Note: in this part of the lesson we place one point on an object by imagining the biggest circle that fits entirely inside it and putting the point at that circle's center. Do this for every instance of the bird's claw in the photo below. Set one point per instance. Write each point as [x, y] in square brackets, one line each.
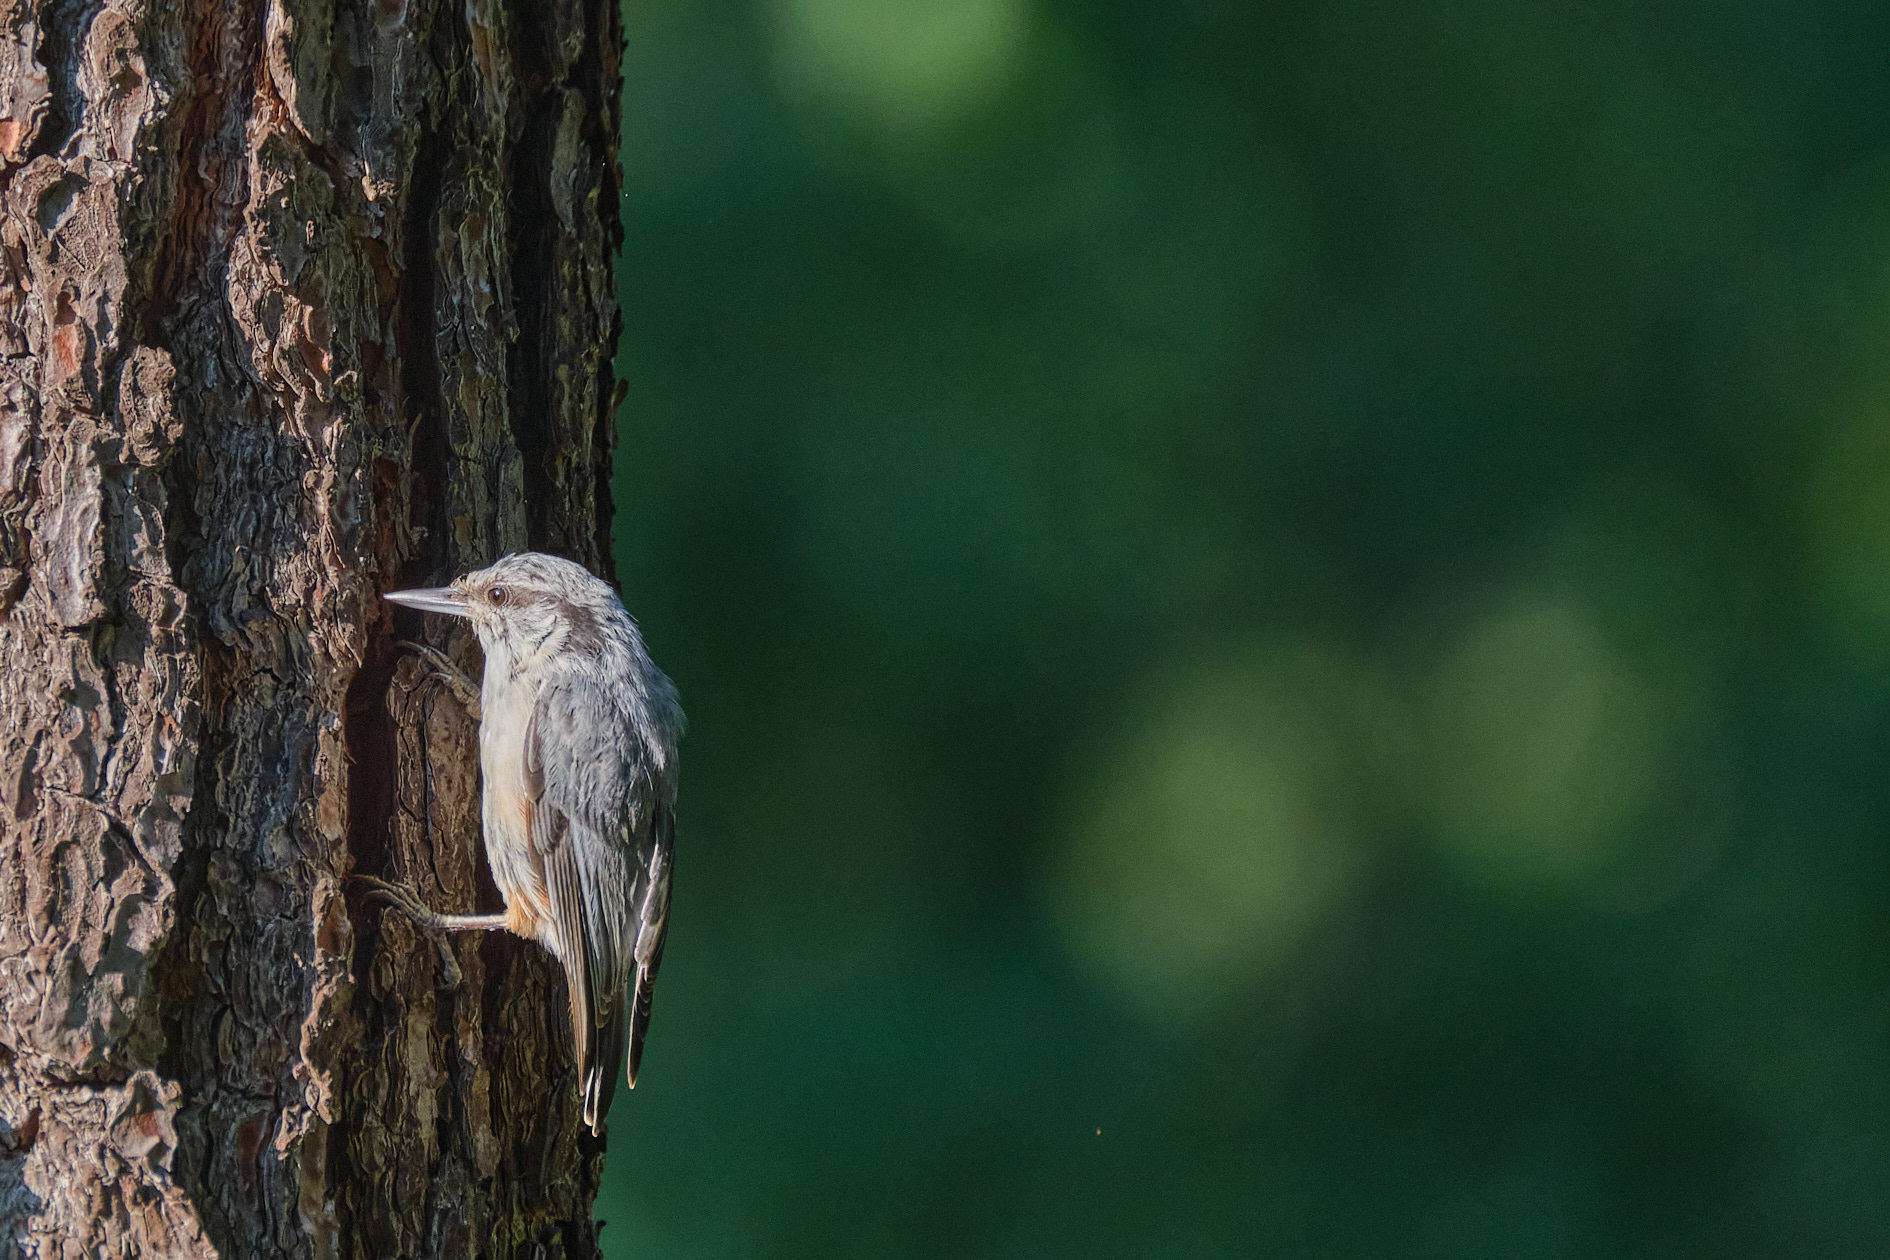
[443, 667]
[404, 899]
[399, 896]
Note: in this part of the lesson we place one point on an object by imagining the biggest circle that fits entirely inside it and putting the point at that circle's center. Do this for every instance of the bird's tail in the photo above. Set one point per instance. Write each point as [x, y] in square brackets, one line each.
[599, 1068]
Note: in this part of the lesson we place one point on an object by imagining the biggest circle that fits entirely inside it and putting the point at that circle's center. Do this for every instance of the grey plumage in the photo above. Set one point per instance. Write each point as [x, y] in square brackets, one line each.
[577, 743]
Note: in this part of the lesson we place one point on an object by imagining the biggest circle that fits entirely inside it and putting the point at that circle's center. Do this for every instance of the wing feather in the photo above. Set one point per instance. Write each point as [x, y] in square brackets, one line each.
[606, 875]
[652, 930]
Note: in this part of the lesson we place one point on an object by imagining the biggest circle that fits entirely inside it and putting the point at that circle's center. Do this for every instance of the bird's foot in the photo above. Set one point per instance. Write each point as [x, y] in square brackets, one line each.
[404, 899]
[457, 681]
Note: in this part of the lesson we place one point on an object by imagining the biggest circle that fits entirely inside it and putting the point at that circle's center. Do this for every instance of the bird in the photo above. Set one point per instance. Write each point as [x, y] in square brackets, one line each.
[577, 752]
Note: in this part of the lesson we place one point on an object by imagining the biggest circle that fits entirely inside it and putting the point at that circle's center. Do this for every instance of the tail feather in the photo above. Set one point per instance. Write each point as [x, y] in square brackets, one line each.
[599, 1072]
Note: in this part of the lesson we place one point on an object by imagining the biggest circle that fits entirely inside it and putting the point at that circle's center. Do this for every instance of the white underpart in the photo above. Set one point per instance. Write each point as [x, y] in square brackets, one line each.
[507, 702]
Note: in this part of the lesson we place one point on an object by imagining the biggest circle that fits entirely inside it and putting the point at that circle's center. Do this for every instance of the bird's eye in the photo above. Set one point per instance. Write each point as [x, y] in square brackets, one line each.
[496, 594]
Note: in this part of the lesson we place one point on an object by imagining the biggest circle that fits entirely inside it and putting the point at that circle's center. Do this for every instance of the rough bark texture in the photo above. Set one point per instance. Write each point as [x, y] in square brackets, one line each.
[300, 300]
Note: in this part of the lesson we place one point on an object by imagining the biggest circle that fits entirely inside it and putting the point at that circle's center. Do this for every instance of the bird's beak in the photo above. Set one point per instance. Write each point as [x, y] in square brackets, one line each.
[436, 599]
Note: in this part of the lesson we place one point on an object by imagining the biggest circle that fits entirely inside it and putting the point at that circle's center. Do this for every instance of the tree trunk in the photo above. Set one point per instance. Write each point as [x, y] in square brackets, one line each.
[300, 300]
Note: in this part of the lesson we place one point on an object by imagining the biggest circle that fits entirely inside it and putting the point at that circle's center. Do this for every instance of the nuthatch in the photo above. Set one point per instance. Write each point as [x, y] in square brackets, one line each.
[577, 747]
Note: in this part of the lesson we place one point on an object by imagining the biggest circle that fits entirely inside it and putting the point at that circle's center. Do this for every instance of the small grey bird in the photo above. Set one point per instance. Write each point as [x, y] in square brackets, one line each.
[577, 748]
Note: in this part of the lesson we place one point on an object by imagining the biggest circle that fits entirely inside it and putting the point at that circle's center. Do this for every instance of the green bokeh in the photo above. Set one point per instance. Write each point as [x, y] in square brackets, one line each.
[1303, 586]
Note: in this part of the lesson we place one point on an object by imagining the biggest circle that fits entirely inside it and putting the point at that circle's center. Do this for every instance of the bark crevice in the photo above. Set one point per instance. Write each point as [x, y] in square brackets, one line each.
[534, 266]
[58, 35]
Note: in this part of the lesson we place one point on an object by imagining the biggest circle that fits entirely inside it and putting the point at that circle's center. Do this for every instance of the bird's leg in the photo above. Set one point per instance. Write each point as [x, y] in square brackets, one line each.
[407, 901]
[464, 689]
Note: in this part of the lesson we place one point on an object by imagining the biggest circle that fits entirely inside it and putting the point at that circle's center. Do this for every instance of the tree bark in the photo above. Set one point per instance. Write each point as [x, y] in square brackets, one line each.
[300, 300]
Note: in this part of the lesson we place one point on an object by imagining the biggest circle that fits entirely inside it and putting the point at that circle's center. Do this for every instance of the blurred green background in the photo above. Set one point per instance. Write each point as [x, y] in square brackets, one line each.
[1285, 612]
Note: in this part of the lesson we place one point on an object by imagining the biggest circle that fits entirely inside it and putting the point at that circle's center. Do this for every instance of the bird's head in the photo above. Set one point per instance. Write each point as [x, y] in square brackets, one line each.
[521, 602]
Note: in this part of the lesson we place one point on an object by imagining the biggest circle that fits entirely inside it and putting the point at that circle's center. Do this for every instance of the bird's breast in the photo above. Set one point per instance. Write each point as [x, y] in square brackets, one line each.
[507, 808]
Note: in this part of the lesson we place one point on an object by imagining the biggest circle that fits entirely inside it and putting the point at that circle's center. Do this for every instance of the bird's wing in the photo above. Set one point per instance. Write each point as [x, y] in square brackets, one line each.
[606, 842]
